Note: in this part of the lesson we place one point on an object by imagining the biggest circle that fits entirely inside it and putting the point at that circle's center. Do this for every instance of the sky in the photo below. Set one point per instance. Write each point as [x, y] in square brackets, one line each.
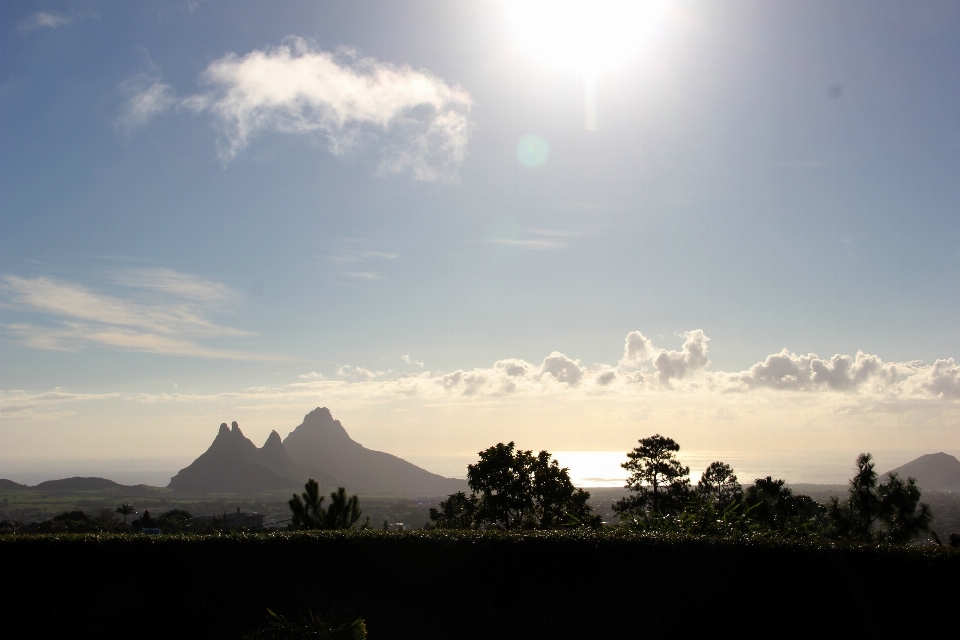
[566, 224]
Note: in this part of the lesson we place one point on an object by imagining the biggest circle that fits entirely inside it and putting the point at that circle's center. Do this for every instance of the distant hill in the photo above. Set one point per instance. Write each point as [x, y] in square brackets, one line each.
[79, 484]
[233, 464]
[320, 442]
[10, 484]
[933, 471]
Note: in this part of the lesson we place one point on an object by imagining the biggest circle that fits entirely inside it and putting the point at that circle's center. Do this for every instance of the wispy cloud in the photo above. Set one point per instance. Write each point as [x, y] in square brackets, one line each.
[528, 243]
[44, 19]
[355, 259]
[408, 360]
[420, 123]
[162, 311]
[48, 405]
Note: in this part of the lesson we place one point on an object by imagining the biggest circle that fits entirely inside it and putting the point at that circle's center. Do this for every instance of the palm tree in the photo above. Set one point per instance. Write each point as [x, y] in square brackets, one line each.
[126, 509]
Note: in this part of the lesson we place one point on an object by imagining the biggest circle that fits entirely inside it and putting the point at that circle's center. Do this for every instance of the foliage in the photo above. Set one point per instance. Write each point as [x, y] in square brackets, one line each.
[456, 512]
[888, 511]
[773, 506]
[719, 484]
[308, 512]
[514, 489]
[309, 626]
[659, 482]
[175, 521]
[126, 509]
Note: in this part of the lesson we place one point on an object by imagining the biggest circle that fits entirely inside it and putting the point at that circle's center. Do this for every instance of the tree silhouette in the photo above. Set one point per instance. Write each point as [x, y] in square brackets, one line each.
[659, 482]
[456, 512]
[126, 510]
[514, 489]
[719, 484]
[772, 504]
[308, 512]
[888, 511]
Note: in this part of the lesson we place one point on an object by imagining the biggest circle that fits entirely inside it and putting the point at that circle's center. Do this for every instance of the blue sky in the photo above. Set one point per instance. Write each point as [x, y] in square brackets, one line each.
[217, 211]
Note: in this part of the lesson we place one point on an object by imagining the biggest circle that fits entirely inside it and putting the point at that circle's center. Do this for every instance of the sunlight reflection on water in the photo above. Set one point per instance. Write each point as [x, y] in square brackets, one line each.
[602, 468]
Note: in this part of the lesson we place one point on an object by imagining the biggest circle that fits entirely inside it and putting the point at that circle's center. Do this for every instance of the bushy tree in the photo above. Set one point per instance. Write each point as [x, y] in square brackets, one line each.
[308, 512]
[514, 489]
[886, 511]
[175, 521]
[456, 512]
[660, 484]
[719, 485]
[774, 506]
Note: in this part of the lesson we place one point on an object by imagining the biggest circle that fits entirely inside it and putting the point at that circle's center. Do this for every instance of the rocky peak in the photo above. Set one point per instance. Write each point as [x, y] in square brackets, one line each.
[273, 441]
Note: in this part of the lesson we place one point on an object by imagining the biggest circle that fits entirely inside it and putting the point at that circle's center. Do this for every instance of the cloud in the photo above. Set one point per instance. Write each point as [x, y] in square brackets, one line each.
[313, 375]
[527, 243]
[147, 97]
[44, 19]
[19, 404]
[407, 359]
[420, 123]
[691, 358]
[164, 311]
[357, 374]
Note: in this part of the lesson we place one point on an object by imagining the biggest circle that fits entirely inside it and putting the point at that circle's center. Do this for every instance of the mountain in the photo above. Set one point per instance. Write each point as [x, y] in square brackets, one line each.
[233, 464]
[79, 484]
[933, 471]
[320, 442]
[10, 484]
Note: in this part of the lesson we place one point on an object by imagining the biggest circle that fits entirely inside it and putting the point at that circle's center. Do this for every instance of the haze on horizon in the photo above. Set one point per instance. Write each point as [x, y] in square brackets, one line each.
[567, 224]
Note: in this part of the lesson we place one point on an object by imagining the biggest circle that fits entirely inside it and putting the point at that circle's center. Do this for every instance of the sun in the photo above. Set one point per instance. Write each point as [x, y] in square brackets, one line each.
[587, 35]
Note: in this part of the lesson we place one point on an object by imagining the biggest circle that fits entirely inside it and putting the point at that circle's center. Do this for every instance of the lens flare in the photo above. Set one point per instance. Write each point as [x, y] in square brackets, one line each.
[532, 151]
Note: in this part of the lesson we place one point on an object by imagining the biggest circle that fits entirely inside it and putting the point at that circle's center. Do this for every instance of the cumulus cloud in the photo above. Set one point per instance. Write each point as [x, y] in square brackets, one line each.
[162, 311]
[692, 357]
[313, 375]
[419, 122]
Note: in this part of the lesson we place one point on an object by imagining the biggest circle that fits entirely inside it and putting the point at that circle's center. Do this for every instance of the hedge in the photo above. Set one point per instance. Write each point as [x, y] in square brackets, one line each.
[560, 584]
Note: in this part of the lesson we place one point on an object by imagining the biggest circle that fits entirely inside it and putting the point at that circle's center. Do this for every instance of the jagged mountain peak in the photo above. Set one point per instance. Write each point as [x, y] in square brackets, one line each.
[320, 423]
[273, 441]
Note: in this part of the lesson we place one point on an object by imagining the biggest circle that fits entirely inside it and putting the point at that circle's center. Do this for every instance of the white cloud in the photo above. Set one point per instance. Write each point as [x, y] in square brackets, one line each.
[528, 243]
[691, 358]
[147, 97]
[407, 359]
[165, 311]
[45, 19]
[420, 123]
[357, 374]
[313, 375]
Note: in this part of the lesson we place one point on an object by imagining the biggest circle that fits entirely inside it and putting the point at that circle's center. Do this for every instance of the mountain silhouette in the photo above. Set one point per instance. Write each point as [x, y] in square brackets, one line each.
[320, 442]
[233, 464]
[319, 448]
[933, 471]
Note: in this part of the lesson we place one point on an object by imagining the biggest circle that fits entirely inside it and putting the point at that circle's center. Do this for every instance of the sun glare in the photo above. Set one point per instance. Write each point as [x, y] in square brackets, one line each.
[587, 35]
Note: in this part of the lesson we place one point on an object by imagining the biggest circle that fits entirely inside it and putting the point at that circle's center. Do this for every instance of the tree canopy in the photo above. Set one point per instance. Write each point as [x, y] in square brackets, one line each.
[660, 484]
[308, 512]
[887, 511]
[515, 489]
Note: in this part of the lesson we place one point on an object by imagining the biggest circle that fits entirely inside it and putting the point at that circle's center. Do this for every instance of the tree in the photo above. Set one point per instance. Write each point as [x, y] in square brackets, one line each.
[175, 521]
[126, 510]
[888, 511]
[308, 512]
[456, 512]
[514, 489]
[774, 506]
[719, 484]
[660, 483]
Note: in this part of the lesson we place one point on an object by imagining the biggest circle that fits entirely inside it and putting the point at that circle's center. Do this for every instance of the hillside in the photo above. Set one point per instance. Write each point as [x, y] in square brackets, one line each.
[233, 464]
[321, 442]
[933, 471]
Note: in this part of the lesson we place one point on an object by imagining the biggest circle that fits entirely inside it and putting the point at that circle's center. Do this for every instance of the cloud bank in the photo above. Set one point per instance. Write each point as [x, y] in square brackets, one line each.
[420, 123]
